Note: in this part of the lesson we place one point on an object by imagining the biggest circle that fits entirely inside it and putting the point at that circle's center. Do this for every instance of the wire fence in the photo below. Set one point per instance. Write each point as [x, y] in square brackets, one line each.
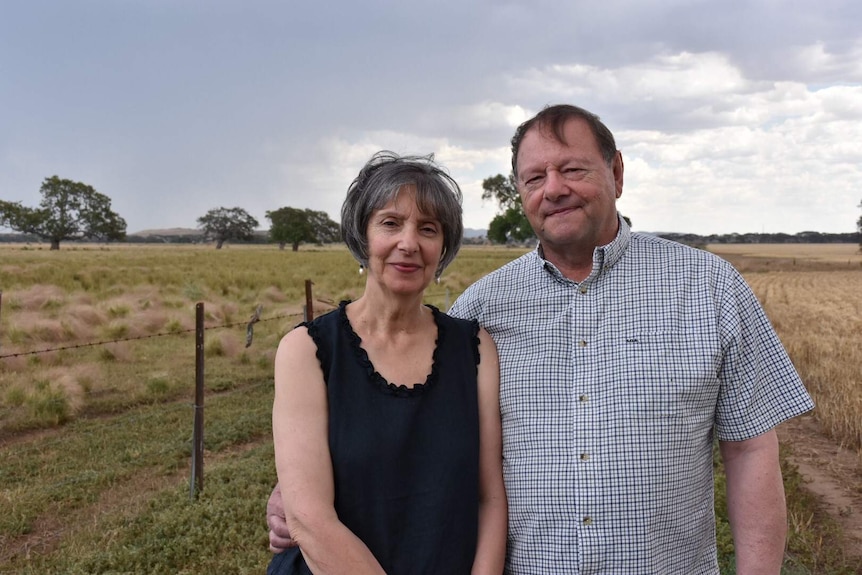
[72, 469]
[141, 337]
[197, 406]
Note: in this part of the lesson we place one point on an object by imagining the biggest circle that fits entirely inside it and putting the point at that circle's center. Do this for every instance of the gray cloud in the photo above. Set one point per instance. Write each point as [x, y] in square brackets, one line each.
[732, 116]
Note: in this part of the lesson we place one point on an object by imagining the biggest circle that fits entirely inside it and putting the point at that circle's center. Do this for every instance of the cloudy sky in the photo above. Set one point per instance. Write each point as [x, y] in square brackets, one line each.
[732, 116]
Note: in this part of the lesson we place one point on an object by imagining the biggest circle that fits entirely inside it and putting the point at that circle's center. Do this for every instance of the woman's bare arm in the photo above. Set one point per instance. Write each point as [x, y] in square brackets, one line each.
[300, 433]
[493, 514]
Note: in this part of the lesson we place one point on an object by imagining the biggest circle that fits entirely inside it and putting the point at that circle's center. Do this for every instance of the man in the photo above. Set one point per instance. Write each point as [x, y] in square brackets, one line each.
[622, 357]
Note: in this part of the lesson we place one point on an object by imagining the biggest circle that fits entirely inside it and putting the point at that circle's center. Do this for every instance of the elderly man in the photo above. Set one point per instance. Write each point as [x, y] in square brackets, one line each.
[622, 357]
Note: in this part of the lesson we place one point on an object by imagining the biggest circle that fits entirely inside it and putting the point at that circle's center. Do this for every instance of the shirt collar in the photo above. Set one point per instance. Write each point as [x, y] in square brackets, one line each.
[604, 257]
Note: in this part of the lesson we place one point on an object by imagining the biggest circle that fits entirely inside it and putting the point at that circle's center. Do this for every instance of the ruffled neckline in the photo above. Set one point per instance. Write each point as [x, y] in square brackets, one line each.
[380, 382]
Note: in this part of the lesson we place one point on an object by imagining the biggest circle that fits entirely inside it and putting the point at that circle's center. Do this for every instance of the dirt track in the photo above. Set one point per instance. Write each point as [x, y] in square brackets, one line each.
[831, 472]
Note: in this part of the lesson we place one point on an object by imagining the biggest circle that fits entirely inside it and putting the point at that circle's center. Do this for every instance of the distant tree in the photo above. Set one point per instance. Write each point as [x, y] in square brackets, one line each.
[511, 224]
[226, 224]
[294, 226]
[503, 190]
[68, 211]
[859, 228]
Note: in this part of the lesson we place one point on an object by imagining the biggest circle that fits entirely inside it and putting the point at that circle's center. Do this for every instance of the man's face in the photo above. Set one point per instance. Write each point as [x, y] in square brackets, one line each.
[568, 190]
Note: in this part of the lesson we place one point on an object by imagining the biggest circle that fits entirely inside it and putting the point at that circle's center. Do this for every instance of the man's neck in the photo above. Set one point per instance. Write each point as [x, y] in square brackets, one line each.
[576, 266]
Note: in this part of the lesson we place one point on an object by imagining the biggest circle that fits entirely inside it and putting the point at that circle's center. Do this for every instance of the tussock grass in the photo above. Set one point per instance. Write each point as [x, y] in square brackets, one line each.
[110, 493]
[223, 344]
[119, 352]
[86, 313]
[94, 295]
[38, 297]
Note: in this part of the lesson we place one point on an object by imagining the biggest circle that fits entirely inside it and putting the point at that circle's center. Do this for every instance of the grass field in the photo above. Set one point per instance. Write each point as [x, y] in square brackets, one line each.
[95, 441]
[813, 298]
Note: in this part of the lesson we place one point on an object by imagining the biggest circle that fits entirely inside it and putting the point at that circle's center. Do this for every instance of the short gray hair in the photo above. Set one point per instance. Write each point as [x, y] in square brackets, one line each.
[379, 182]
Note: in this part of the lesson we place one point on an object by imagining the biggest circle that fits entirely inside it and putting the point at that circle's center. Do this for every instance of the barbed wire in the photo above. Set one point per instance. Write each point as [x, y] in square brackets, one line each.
[59, 442]
[139, 337]
[245, 324]
[136, 414]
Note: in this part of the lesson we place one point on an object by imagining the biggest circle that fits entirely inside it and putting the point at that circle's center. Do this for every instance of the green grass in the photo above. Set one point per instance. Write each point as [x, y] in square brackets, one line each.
[84, 473]
[107, 490]
[813, 538]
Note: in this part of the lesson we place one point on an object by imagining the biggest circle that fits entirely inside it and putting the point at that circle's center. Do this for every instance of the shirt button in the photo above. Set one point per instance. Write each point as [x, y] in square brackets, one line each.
[585, 456]
[588, 520]
[583, 289]
[582, 343]
[583, 399]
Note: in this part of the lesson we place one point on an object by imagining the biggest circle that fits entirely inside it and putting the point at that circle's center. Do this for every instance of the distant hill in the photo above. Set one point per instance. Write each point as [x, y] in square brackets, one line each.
[168, 232]
[478, 236]
[178, 232]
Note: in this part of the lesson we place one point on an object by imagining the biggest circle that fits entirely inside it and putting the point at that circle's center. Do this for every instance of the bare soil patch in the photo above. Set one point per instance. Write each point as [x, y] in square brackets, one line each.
[831, 472]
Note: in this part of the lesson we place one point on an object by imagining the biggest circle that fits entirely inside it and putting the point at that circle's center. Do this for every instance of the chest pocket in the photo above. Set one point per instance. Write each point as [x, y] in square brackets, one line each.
[665, 375]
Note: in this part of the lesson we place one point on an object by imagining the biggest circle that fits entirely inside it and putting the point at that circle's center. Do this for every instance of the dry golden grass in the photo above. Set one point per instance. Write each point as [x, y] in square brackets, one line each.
[810, 291]
[67, 300]
[812, 295]
[98, 294]
[833, 253]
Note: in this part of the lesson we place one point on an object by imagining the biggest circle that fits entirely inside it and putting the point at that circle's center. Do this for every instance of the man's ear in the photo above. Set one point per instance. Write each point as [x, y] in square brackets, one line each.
[617, 169]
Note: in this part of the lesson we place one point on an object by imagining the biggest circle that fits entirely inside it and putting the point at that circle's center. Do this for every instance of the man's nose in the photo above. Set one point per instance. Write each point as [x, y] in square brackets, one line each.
[555, 185]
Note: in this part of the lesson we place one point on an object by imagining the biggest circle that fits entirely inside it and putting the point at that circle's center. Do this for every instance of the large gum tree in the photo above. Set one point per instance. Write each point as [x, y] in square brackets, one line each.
[227, 224]
[295, 226]
[68, 211]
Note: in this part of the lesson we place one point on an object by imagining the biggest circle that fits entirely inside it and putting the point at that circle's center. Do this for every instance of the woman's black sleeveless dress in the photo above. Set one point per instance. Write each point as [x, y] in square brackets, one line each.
[405, 460]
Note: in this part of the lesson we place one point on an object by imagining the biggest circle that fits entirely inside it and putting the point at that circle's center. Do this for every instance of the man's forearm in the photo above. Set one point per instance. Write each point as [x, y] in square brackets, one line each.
[755, 502]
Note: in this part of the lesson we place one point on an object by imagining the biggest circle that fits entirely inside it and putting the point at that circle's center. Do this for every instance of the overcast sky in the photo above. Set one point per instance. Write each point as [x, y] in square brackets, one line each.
[732, 116]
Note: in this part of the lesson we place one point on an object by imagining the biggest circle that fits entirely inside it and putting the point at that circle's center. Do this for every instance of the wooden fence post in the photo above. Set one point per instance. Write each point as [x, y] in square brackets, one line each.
[196, 484]
[309, 310]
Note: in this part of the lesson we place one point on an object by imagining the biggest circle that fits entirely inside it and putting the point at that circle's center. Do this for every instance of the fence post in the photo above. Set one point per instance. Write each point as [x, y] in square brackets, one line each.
[196, 484]
[309, 310]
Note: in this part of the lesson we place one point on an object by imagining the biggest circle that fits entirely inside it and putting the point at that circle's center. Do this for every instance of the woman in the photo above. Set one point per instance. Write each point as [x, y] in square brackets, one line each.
[386, 416]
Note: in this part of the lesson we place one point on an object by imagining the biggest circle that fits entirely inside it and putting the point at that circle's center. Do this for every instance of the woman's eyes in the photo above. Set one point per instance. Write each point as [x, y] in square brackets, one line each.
[424, 228]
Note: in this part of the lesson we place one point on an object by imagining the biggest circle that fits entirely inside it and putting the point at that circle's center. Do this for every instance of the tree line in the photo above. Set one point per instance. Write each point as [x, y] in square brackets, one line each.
[511, 225]
[74, 211]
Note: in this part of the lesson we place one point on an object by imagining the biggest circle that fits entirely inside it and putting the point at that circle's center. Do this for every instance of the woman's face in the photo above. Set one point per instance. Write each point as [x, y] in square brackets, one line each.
[404, 245]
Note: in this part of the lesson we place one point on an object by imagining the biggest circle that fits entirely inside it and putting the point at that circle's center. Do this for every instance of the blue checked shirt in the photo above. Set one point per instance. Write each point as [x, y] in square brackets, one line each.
[611, 392]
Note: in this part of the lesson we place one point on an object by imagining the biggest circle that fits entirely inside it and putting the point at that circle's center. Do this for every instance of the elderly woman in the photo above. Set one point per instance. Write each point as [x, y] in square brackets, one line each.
[386, 418]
